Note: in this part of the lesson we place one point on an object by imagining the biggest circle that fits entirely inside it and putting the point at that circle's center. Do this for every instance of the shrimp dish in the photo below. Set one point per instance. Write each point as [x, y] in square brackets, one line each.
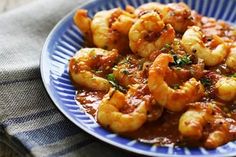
[161, 74]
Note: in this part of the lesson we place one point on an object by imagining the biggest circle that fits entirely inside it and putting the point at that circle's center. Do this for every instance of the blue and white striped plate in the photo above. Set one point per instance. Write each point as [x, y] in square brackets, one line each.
[65, 39]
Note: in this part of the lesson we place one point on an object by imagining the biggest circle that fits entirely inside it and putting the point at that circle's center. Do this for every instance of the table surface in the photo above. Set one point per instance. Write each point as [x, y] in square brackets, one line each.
[6, 5]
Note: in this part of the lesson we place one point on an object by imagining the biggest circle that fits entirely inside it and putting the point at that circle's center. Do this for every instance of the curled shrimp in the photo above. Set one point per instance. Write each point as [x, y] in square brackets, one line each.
[174, 100]
[147, 7]
[195, 119]
[226, 88]
[179, 15]
[149, 33]
[192, 41]
[83, 22]
[123, 23]
[83, 66]
[231, 58]
[109, 112]
[110, 29]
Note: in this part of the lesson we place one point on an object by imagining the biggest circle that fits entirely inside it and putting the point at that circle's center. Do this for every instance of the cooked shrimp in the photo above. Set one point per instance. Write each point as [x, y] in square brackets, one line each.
[216, 139]
[123, 23]
[81, 67]
[109, 113]
[193, 121]
[192, 41]
[100, 28]
[226, 88]
[149, 33]
[231, 58]
[110, 29]
[152, 6]
[130, 9]
[83, 22]
[191, 124]
[178, 15]
[174, 100]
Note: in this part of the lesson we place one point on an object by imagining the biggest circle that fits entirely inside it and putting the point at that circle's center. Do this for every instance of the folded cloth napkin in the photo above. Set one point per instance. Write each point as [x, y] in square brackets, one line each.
[29, 121]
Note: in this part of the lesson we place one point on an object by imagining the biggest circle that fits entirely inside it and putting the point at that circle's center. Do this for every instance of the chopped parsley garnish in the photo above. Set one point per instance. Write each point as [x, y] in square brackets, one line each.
[126, 72]
[234, 75]
[115, 67]
[205, 81]
[98, 71]
[181, 61]
[140, 64]
[111, 77]
[125, 60]
[171, 52]
[112, 80]
[176, 86]
[167, 46]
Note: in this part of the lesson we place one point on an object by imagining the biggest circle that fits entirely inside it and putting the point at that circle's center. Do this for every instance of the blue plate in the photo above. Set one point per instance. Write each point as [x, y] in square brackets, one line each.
[65, 39]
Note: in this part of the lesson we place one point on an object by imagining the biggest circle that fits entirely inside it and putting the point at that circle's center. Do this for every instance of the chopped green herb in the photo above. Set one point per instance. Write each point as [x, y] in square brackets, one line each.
[166, 46]
[163, 49]
[181, 61]
[125, 71]
[178, 68]
[127, 58]
[114, 68]
[205, 81]
[98, 71]
[171, 52]
[234, 75]
[176, 86]
[140, 64]
[186, 59]
[176, 41]
[114, 83]
[111, 77]
[118, 87]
